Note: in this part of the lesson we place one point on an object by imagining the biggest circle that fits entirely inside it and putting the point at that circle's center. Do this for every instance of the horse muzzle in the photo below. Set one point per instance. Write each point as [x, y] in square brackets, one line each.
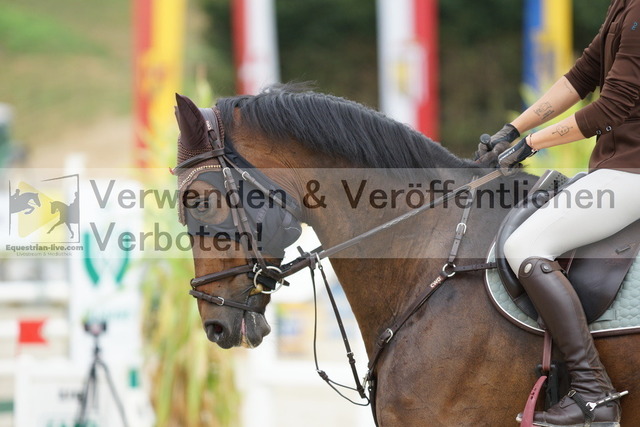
[218, 332]
[252, 328]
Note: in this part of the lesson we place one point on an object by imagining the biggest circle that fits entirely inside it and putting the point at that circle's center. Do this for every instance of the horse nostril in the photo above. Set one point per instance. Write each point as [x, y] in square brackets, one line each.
[215, 330]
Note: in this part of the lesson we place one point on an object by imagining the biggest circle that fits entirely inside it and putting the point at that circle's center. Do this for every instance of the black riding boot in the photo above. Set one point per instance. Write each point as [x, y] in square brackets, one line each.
[560, 309]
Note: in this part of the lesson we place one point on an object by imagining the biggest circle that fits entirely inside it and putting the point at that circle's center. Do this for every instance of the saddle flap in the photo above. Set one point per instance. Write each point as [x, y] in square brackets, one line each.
[597, 270]
[541, 192]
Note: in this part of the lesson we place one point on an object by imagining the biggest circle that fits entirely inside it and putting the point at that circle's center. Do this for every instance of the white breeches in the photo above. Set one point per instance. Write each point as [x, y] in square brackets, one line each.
[592, 208]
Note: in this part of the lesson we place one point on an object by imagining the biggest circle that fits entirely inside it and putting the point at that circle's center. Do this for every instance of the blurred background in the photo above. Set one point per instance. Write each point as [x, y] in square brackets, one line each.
[91, 84]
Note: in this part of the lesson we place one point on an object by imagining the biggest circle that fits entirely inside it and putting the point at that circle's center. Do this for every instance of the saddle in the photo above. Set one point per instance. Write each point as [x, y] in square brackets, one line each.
[596, 271]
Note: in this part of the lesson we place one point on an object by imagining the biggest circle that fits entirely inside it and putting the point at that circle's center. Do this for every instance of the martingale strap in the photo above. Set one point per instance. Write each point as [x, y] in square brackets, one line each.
[352, 361]
[448, 271]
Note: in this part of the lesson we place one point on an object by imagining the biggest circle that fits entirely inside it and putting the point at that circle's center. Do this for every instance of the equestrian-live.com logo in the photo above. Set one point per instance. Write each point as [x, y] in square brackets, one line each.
[44, 215]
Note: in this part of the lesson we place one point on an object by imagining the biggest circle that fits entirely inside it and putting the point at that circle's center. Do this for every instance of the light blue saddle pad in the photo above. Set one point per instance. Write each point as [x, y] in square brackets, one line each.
[621, 318]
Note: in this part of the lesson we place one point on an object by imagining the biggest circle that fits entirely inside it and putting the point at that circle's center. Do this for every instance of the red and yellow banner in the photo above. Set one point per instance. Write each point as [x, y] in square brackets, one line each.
[158, 60]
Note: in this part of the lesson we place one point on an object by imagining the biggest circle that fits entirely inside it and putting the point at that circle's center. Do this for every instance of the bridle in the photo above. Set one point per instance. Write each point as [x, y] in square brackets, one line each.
[272, 277]
[262, 273]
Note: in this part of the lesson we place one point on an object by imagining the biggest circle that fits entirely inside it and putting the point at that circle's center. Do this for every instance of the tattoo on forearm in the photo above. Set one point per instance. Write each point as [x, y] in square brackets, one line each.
[562, 130]
[544, 110]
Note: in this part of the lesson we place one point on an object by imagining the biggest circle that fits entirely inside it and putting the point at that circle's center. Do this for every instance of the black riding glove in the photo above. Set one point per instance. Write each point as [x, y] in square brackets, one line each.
[488, 151]
[516, 154]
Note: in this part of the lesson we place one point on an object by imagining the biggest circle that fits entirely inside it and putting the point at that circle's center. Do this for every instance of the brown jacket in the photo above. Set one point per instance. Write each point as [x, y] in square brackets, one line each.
[612, 62]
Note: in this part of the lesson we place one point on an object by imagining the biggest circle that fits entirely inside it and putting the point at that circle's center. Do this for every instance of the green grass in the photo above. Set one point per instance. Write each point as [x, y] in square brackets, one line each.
[64, 64]
[31, 32]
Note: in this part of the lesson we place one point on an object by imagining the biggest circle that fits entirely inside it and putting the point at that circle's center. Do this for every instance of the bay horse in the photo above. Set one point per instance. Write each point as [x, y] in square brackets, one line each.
[456, 361]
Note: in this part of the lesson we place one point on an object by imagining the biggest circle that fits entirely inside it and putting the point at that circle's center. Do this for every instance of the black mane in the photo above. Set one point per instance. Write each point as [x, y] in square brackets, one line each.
[338, 127]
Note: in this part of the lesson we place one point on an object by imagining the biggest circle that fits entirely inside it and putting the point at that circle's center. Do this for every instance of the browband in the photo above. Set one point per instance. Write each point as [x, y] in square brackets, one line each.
[189, 163]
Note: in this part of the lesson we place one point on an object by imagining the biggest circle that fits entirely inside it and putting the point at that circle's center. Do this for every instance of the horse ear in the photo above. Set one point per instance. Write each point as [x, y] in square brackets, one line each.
[193, 129]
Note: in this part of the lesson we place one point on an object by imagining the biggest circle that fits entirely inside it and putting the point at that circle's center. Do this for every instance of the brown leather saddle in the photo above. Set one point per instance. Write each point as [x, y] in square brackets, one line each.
[596, 271]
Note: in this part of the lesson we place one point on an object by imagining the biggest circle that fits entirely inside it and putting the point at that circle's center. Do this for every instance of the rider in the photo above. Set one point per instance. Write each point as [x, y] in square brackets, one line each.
[612, 63]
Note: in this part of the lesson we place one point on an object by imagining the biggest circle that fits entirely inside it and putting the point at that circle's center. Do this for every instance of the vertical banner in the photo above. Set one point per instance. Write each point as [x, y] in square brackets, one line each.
[159, 40]
[547, 42]
[408, 62]
[255, 46]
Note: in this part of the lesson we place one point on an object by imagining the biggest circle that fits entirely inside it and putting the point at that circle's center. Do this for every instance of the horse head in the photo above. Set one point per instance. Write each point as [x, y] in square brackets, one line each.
[36, 199]
[231, 306]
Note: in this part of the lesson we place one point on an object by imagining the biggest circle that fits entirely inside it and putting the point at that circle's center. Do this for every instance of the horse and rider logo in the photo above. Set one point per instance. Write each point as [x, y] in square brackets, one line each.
[35, 210]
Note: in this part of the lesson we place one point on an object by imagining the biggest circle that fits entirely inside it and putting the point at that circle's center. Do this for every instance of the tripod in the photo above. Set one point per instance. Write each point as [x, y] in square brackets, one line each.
[91, 385]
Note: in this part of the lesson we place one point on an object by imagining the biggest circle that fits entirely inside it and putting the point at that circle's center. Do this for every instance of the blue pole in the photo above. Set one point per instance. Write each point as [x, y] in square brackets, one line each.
[532, 25]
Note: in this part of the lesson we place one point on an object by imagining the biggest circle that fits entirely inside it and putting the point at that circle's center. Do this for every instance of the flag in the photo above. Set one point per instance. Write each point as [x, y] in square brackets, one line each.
[547, 42]
[255, 47]
[408, 62]
[30, 331]
[158, 58]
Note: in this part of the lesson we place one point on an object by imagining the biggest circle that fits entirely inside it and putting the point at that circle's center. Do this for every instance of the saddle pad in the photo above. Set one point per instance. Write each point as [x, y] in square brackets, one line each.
[623, 317]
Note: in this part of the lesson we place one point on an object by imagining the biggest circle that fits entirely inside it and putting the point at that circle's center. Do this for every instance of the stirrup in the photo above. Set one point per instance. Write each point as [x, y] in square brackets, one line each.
[587, 409]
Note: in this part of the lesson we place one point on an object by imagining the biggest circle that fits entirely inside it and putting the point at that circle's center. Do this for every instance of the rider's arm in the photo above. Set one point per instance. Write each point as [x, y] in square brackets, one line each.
[563, 132]
[557, 100]
[621, 89]
[619, 94]
[582, 79]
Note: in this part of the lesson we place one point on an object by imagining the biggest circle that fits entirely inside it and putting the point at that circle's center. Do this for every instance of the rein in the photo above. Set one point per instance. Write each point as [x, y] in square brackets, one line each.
[303, 262]
[272, 277]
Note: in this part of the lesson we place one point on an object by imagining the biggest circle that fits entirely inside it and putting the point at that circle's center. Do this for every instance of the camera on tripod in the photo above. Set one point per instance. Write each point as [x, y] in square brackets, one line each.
[95, 328]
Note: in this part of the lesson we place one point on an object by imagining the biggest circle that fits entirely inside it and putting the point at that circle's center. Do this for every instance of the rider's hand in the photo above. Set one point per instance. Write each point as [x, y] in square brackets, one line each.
[516, 154]
[488, 151]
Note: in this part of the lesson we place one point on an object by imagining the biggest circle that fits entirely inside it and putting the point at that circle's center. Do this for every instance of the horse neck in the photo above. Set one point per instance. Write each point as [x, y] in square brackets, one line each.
[384, 274]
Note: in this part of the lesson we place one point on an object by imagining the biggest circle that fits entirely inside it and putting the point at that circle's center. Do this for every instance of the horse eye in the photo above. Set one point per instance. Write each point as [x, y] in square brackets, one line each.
[201, 204]
[209, 208]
